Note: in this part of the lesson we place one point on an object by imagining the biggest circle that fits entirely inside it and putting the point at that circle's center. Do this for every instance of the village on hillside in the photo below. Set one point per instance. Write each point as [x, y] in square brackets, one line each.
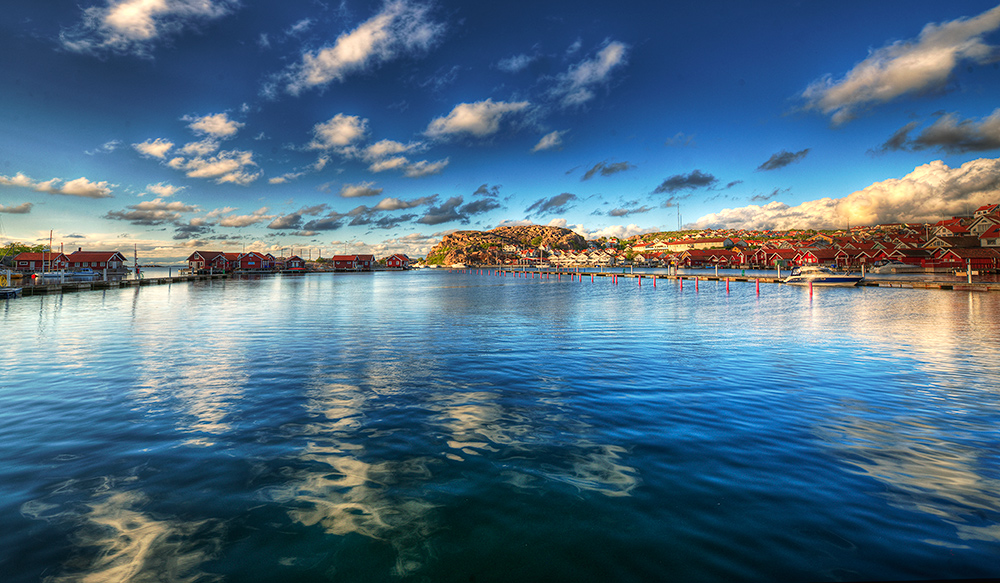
[957, 242]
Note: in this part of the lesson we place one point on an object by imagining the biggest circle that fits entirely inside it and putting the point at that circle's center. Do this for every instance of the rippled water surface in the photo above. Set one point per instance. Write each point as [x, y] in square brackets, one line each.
[445, 426]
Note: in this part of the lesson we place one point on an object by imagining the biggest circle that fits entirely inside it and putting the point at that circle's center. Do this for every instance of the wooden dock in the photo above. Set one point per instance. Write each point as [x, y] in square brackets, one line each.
[77, 286]
[887, 283]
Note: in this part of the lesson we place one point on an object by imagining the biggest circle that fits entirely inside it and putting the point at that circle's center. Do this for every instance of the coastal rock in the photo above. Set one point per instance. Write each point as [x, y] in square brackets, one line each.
[501, 244]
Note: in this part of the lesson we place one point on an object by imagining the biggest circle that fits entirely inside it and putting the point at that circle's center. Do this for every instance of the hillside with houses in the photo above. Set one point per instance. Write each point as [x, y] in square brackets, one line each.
[950, 243]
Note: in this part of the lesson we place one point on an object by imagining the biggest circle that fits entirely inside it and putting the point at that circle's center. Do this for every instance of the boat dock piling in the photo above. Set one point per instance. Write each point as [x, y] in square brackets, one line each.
[909, 284]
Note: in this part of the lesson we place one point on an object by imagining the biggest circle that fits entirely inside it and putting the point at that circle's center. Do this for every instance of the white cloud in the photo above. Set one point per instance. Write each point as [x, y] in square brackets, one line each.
[394, 163]
[79, 187]
[134, 26]
[931, 192]
[905, 67]
[339, 131]
[217, 125]
[233, 166]
[576, 86]
[157, 148]
[356, 190]
[549, 141]
[401, 27]
[164, 190]
[425, 168]
[515, 63]
[204, 147]
[258, 216]
[479, 119]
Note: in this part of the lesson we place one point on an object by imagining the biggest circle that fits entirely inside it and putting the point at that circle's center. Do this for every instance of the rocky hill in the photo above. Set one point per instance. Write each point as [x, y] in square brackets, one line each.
[487, 247]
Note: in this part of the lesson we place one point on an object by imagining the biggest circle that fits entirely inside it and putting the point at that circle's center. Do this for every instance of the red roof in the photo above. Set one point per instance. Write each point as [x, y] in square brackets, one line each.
[88, 256]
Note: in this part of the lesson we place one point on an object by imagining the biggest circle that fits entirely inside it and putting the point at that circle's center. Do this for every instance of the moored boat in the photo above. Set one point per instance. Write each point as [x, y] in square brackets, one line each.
[817, 275]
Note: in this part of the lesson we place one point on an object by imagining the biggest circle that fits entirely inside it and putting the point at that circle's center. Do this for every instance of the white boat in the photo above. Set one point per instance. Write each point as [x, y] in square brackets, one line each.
[817, 275]
[894, 266]
[84, 274]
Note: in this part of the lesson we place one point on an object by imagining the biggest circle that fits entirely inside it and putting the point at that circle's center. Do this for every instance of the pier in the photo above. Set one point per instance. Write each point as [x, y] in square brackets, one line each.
[77, 286]
[886, 283]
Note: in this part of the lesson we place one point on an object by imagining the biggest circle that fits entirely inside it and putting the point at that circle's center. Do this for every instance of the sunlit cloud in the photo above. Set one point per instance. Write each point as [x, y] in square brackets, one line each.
[228, 166]
[135, 26]
[157, 148]
[910, 67]
[928, 193]
[550, 141]
[258, 216]
[152, 212]
[80, 187]
[217, 125]
[400, 28]
[338, 132]
[163, 189]
[479, 119]
[357, 190]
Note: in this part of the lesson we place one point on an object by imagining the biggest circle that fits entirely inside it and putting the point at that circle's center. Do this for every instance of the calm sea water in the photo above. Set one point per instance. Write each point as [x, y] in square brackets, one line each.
[438, 426]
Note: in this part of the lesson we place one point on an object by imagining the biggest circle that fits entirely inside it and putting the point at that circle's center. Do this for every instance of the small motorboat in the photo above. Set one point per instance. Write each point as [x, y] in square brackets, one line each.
[818, 275]
[894, 266]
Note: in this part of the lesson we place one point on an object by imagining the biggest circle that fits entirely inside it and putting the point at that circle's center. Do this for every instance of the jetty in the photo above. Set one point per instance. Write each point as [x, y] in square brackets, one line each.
[77, 286]
[870, 281]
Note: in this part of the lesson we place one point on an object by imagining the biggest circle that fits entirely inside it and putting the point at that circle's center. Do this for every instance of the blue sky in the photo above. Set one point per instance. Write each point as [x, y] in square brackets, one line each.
[377, 127]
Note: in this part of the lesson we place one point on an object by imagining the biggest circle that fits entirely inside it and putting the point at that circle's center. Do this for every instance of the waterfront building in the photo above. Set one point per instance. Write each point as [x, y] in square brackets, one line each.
[112, 261]
[44, 261]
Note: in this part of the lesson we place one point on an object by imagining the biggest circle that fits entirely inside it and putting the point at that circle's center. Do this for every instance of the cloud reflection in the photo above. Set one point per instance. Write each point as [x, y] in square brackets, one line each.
[116, 541]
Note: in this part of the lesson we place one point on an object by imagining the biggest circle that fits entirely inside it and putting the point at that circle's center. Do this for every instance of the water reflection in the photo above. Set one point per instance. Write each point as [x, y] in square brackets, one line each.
[330, 485]
[927, 469]
[116, 540]
[536, 442]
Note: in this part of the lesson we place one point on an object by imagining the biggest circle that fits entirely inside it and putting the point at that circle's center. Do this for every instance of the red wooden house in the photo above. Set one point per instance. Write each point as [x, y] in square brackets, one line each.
[45, 261]
[295, 263]
[353, 262]
[398, 261]
[251, 261]
[113, 261]
[208, 261]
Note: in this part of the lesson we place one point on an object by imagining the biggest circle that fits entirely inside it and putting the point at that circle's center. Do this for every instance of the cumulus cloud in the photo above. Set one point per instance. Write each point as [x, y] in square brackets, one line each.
[79, 187]
[549, 141]
[135, 26]
[782, 159]
[479, 119]
[910, 67]
[227, 166]
[356, 190]
[927, 194]
[21, 209]
[678, 182]
[950, 134]
[157, 148]
[152, 212]
[553, 205]
[217, 125]
[106, 148]
[164, 190]
[395, 204]
[258, 216]
[605, 169]
[577, 85]
[400, 28]
[339, 131]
